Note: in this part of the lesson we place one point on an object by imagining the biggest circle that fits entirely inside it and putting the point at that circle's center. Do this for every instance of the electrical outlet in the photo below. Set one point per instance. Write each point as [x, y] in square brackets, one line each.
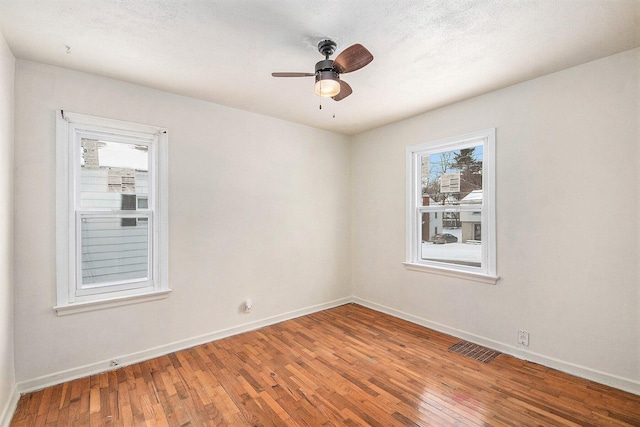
[523, 337]
[115, 362]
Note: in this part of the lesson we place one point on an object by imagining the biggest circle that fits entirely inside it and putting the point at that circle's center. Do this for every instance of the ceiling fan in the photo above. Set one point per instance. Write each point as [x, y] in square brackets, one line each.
[328, 83]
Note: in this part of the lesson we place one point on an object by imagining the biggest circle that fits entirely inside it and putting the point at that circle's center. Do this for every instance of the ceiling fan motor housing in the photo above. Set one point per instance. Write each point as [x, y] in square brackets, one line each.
[324, 65]
[325, 71]
[327, 75]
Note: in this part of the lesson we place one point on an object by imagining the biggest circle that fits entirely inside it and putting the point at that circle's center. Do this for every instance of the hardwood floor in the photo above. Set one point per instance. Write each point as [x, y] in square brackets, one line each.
[346, 366]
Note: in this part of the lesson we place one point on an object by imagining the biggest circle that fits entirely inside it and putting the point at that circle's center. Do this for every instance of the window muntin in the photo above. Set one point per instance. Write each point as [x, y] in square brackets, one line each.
[112, 223]
[450, 209]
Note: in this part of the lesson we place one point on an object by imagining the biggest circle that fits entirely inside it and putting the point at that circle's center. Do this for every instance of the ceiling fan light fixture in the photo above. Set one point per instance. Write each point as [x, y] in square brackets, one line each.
[327, 83]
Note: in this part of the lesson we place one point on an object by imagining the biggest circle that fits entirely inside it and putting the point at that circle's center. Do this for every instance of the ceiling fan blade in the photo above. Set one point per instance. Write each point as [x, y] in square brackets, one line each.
[352, 58]
[292, 74]
[345, 90]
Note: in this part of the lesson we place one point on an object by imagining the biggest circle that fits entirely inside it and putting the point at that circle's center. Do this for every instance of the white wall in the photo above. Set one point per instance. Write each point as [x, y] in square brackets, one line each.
[567, 156]
[258, 208]
[7, 376]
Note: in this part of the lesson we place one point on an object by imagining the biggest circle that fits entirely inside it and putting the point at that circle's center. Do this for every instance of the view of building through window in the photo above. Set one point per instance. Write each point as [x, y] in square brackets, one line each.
[114, 176]
[452, 193]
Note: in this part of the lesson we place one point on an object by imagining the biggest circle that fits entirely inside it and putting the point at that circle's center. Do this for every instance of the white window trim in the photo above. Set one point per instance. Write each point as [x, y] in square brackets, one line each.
[487, 273]
[66, 233]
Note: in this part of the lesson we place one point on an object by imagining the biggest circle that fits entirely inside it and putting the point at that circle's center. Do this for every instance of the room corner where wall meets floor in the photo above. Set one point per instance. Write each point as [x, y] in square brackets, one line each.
[344, 365]
[575, 293]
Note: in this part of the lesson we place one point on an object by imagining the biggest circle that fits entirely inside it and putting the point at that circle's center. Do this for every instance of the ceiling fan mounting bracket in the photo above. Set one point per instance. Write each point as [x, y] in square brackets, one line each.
[327, 47]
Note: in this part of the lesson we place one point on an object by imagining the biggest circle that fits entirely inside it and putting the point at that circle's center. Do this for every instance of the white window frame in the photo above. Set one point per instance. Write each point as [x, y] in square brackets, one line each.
[71, 297]
[487, 272]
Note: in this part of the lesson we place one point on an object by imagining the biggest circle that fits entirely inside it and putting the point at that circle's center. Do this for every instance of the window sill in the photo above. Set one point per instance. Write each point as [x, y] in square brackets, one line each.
[81, 307]
[458, 274]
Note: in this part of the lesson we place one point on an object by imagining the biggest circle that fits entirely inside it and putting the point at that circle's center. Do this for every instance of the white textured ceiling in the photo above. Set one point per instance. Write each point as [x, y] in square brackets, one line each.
[427, 53]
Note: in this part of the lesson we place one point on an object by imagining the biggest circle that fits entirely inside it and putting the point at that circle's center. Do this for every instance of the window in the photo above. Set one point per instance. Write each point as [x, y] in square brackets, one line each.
[451, 207]
[111, 212]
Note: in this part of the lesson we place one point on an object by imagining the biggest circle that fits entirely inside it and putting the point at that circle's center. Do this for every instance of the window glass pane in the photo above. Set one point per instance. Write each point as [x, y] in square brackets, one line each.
[143, 203]
[113, 251]
[449, 178]
[452, 237]
[110, 169]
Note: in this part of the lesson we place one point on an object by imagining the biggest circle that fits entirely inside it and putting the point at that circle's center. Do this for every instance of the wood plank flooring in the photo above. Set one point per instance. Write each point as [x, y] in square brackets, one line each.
[348, 366]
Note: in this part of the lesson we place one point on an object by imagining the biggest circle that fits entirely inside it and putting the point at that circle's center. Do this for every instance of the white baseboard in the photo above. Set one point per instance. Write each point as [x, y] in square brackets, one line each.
[105, 365]
[621, 383]
[10, 407]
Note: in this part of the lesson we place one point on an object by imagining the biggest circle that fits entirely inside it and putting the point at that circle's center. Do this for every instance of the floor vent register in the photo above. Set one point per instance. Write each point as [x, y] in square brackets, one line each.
[475, 351]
